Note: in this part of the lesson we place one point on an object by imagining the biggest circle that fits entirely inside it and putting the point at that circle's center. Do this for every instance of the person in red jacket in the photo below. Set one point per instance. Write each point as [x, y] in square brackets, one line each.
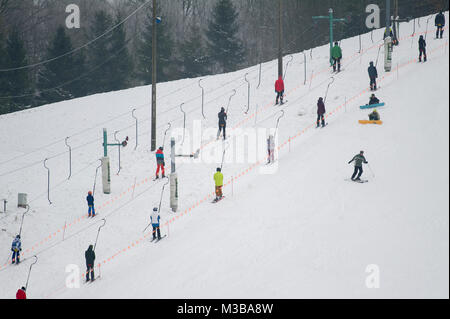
[21, 294]
[279, 89]
[160, 162]
[320, 112]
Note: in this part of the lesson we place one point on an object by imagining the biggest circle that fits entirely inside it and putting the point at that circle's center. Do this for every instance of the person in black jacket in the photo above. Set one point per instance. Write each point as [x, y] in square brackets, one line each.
[90, 259]
[439, 21]
[222, 123]
[422, 49]
[373, 100]
[320, 112]
[373, 75]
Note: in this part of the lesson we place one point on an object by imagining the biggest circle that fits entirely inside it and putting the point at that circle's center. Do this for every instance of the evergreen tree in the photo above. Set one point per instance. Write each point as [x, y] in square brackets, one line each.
[166, 65]
[194, 60]
[18, 81]
[225, 48]
[99, 59]
[56, 82]
[121, 63]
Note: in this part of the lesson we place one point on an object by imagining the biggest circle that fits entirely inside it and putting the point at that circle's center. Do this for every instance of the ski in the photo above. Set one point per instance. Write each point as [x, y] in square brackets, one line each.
[157, 240]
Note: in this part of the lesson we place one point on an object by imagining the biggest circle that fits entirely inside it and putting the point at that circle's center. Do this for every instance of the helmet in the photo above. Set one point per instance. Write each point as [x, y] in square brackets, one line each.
[89, 193]
[18, 236]
[371, 63]
[155, 209]
[219, 169]
[23, 288]
[362, 152]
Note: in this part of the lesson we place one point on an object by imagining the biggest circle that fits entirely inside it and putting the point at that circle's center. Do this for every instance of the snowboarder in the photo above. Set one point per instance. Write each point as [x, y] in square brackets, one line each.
[359, 160]
[336, 55]
[422, 49]
[218, 179]
[320, 112]
[373, 75]
[279, 90]
[373, 100]
[439, 21]
[16, 248]
[160, 162]
[90, 259]
[374, 116]
[155, 218]
[90, 202]
[222, 123]
[21, 293]
[271, 149]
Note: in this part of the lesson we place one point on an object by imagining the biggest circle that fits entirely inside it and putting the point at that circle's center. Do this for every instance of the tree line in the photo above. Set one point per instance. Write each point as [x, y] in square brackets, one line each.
[195, 38]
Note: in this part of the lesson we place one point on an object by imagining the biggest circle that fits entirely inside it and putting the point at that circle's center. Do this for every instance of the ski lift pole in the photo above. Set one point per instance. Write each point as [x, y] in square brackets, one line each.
[378, 54]
[118, 143]
[287, 64]
[29, 271]
[95, 178]
[326, 94]
[48, 180]
[278, 122]
[304, 56]
[229, 100]
[223, 155]
[160, 201]
[70, 157]
[259, 80]
[165, 133]
[248, 95]
[426, 30]
[371, 170]
[23, 217]
[98, 232]
[184, 122]
[203, 97]
[135, 118]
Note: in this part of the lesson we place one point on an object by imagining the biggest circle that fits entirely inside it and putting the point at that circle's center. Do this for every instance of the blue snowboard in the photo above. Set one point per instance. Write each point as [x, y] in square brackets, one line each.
[371, 106]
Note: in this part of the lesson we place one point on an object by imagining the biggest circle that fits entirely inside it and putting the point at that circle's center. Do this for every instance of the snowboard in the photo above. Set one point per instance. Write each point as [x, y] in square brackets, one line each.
[362, 181]
[217, 200]
[367, 106]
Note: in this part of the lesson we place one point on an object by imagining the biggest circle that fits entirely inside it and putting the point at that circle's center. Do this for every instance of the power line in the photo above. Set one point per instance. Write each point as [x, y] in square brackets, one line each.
[79, 48]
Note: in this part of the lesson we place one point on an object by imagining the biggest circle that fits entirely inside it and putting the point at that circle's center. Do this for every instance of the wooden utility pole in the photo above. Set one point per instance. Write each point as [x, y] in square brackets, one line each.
[154, 79]
[280, 38]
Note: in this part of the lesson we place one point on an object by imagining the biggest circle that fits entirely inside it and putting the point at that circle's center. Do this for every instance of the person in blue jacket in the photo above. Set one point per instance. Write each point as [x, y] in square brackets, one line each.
[16, 248]
[155, 218]
[90, 202]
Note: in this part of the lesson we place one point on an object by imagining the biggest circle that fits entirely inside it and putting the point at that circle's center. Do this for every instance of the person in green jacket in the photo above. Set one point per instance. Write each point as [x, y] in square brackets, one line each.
[218, 179]
[336, 55]
[359, 160]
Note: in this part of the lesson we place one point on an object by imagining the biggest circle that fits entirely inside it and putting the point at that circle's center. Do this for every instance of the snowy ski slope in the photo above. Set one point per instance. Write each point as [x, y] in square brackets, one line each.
[302, 232]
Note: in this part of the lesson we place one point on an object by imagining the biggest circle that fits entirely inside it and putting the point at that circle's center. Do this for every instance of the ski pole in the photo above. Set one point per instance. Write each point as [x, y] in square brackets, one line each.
[371, 170]
[29, 271]
[9, 257]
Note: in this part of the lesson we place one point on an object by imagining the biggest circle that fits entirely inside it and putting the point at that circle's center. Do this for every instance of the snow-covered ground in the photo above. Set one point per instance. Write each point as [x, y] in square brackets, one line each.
[302, 231]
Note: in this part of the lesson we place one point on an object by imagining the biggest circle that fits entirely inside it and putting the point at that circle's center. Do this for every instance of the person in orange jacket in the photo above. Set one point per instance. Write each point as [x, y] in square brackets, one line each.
[279, 89]
[21, 294]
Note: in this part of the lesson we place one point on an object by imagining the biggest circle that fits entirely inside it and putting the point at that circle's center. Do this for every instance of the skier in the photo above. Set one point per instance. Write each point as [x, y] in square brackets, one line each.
[422, 49]
[336, 55]
[320, 112]
[373, 100]
[279, 90]
[359, 160]
[270, 149]
[374, 116]
[21, 293]
[439, 21]
[218, 179]
[373, 75]
[155, 218]
[160, 162]
[222, 123]
[16, 248]
[90, 258]
[90, 202]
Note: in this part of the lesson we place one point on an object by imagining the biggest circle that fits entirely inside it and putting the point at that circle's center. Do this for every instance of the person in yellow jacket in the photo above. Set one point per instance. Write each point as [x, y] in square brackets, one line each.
[218, 179]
